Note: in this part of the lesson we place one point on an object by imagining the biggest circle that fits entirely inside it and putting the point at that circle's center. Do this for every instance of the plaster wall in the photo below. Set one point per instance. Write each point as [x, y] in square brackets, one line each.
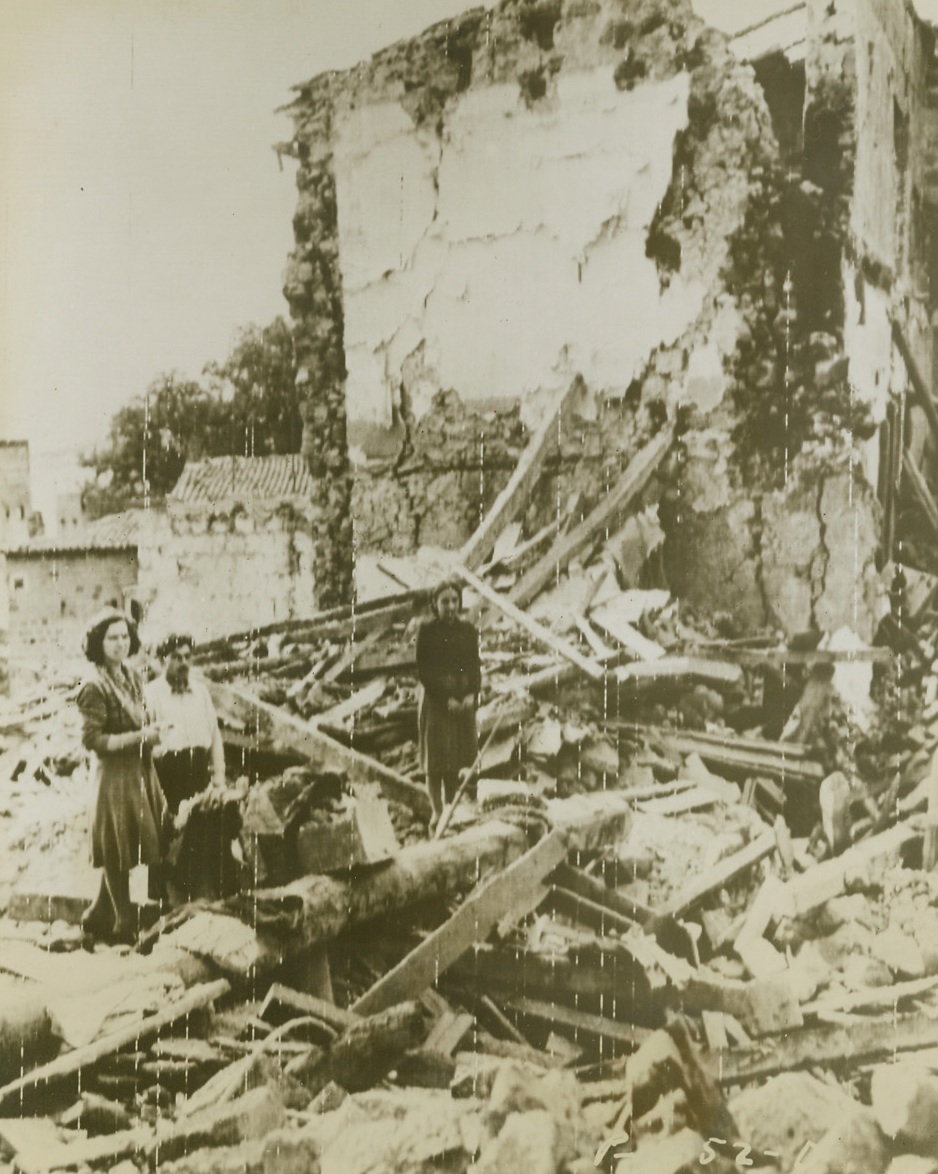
[507, 253]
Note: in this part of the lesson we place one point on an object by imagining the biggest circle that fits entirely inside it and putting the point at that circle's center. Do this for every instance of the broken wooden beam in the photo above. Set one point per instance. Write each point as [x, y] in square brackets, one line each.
[568, 1021]
[641, 469]
[360, 617]
[539, 632]
[923, 395]
[582, 910]
[580, 882]
[282, 1003]
[679, 670]
[321, 906]
[513, 892]
[365, 1053]
[920, 488]
[521, 483]
[72, 1062]
[831, 1046]
[734, 761]
[720, 875]
[810, 889]
[282, 732]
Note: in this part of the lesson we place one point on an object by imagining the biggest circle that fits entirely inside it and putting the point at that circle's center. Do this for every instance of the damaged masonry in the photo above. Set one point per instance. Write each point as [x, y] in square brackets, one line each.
[626, 323]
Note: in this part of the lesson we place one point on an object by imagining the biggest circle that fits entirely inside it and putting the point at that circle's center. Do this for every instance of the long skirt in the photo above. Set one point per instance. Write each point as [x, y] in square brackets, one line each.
[131, 819]
[448, 741]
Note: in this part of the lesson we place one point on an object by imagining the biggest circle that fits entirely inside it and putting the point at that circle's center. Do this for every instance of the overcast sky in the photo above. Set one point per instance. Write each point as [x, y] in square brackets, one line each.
[144, 216]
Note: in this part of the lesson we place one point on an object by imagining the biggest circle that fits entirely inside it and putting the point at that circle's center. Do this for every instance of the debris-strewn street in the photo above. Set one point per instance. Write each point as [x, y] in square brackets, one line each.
[645, 920]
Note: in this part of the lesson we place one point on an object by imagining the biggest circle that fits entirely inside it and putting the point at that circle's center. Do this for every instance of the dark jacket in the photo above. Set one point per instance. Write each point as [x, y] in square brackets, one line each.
[448, 662]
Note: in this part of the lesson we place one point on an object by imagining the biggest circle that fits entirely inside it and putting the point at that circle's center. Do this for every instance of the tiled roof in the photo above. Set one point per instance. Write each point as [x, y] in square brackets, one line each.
[250, 478]
[112, 532]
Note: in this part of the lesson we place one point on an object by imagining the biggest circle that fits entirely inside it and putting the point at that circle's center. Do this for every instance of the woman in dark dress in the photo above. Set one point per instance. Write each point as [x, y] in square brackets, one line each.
[451, 678]
[130, 816]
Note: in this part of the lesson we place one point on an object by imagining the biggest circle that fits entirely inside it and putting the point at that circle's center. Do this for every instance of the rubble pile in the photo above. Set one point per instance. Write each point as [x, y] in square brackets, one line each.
[641, 907]
[683, 910]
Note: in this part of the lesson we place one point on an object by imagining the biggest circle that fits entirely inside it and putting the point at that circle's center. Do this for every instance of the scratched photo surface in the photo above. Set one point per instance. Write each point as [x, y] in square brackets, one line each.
[468, 566]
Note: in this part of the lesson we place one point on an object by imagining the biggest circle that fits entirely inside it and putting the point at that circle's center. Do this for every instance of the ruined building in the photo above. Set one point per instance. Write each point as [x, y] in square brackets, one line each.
[601, 193]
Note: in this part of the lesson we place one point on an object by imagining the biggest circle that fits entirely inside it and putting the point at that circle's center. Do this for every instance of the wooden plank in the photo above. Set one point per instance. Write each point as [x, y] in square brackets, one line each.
[923, 395]
[521, 483]
[640, 470]
[279, 731]
[367, 696]
[608, 620]
[69, 1063]
[597, 647]
[567, 1020]
[594, 890]
[449, 1030]
[920, 488]
[714, 1030]
[721, 874]
[361, 615]
[729, 759]
[803, 893]
[831, 1047]
[690, 670]
[510, 891]
[876, 999]
[299, 1003]
[542, 635]
[779, 657]
[728, 739]
[581, 909]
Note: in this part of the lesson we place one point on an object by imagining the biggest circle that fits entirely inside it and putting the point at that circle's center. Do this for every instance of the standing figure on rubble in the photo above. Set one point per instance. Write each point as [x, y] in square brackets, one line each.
[190, 753]
[130, 815]
[450, 675]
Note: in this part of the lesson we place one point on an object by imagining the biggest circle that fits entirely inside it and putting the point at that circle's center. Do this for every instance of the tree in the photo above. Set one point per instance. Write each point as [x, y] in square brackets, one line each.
[258, 381]
[246, 405]
[149, 441]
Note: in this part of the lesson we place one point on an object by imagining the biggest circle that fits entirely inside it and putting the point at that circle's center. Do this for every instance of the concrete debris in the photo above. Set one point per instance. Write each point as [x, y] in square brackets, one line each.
[905, 1100]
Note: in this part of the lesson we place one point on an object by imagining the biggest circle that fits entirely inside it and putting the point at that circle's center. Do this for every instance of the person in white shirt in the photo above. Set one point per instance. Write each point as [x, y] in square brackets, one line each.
[190, 754]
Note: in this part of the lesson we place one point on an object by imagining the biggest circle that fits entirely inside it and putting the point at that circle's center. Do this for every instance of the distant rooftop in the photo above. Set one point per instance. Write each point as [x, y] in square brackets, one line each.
[220, 479]
[112, 532]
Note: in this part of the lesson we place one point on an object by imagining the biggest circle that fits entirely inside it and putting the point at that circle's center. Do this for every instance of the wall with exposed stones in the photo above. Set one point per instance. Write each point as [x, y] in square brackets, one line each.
[557, 188]
[51, 590]
[211, 572]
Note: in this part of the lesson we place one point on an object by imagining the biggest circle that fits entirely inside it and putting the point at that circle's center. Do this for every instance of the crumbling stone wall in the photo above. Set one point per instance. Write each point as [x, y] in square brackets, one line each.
[501, 221]
[479, 198]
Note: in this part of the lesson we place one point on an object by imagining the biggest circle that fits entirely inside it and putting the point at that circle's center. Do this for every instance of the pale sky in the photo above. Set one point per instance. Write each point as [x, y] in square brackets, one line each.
[144, 217]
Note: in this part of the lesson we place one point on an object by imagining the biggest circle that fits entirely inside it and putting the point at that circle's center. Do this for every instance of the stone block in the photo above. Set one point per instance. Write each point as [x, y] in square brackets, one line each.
[425, 1068]
[516, 1090]
[853, 1145]
[787, 1111]
[656, 1068]
[246, 1118]
[669, 1114]
[913, 1164]
[247, 1158]
[904, 1098]
[840, 911]
[291, 1151]
[899, 952]
[527, 1141]
[679, 1154]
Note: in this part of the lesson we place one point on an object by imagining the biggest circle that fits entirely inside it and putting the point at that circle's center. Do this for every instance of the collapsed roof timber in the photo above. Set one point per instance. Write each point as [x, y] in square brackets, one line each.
[693, 870]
